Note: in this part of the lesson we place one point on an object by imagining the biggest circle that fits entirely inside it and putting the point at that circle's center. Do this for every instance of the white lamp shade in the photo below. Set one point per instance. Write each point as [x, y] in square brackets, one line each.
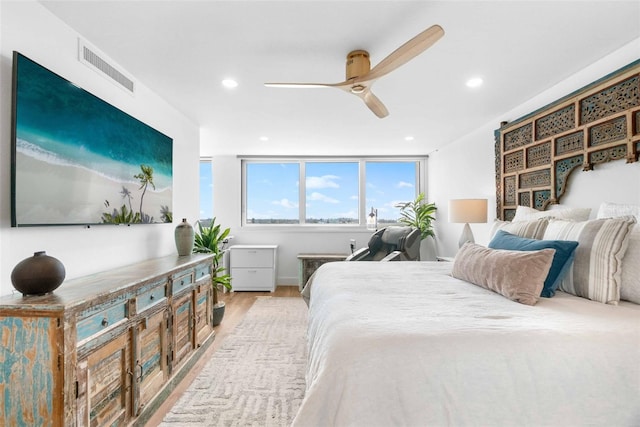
[468, 210]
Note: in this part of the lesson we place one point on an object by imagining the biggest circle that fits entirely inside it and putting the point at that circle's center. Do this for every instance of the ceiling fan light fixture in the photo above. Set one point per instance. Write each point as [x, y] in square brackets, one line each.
[357, 89]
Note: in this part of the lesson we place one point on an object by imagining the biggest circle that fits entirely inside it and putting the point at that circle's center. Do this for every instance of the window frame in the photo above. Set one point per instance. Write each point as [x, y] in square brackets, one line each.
[420, 186]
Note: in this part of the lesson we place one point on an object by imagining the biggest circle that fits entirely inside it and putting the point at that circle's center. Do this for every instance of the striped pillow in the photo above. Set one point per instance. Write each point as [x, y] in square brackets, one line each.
[630, 285]
[597, 265]
[529, 229]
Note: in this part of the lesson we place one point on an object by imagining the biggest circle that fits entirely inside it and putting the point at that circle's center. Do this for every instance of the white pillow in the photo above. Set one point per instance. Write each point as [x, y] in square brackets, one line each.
[630, 284]
[616, 210]
[524, 213]
[597, 266]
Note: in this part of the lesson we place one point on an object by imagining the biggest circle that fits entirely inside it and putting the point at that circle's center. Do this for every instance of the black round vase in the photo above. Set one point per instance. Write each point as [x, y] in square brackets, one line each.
[38, 275]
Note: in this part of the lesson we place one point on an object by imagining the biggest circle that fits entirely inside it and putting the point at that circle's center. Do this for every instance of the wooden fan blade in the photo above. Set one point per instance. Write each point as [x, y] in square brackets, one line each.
[405, 53]
[374, 104]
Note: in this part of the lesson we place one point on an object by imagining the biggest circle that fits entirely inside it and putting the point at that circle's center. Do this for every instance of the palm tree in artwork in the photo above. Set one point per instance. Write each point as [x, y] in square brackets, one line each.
[146, 179]
[126, 194]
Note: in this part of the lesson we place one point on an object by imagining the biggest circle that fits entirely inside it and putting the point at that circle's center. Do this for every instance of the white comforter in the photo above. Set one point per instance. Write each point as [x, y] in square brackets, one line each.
[405, 344]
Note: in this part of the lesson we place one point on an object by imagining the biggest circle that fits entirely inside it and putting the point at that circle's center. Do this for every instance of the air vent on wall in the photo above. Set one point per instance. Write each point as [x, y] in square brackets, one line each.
[97, 61]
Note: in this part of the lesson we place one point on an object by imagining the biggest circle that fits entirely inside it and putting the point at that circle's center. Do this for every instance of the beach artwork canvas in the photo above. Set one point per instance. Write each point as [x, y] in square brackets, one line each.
[78, 160]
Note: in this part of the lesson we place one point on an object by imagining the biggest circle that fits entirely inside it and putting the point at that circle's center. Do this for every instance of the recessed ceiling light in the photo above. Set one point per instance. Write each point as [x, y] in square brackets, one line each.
[474, 82]
[229, 83]
[409, 138]
[264, 138]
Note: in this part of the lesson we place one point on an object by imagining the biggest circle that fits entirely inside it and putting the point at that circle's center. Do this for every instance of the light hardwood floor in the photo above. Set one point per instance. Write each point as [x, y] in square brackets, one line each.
[237, 305]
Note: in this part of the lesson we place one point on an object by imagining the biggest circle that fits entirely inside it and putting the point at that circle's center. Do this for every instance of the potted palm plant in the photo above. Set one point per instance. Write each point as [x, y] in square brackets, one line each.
[419, 214]
[211, 240]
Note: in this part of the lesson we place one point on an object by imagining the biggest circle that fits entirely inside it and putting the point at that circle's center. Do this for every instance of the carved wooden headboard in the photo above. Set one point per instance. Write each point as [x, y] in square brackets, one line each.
[536, 154]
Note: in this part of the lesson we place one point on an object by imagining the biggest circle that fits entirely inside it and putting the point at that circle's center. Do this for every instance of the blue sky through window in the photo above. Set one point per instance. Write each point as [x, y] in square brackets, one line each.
[272, 193]
[331, 191]
[206, 190]
[387, 184]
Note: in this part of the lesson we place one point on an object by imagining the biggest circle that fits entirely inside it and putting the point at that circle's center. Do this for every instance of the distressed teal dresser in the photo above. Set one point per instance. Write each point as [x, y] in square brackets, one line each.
[104, 349]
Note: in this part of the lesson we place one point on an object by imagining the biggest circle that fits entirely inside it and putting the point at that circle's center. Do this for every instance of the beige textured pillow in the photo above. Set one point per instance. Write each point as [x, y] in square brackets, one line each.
[517, 275]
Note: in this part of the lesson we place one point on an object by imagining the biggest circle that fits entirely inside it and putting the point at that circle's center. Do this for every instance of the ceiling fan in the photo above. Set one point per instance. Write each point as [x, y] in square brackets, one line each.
[360, 75]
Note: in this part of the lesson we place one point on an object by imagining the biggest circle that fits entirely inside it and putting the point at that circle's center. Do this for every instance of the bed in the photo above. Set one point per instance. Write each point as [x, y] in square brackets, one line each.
[407, 344]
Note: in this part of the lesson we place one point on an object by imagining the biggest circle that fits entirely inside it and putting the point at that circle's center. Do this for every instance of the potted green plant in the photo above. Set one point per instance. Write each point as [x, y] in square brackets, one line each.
[419, 214]
[211, 240]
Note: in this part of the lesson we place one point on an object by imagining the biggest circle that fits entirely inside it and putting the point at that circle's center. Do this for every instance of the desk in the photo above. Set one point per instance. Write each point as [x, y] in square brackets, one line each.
[308, 263]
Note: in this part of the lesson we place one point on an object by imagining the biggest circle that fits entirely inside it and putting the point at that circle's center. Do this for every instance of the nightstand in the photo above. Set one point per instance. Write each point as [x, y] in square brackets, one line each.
[253, 267]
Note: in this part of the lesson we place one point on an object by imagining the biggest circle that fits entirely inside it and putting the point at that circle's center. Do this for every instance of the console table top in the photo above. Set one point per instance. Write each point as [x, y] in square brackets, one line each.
[75, 291]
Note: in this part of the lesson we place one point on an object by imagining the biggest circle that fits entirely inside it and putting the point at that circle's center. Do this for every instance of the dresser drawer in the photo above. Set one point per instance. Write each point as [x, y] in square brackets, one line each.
[182, 281]
[252, 279]
[151, 297]
[202, 271]
[249, 257]
[101, 321]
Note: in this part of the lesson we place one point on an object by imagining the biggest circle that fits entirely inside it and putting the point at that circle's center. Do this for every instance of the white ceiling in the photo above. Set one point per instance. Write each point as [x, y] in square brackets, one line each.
[183, 49]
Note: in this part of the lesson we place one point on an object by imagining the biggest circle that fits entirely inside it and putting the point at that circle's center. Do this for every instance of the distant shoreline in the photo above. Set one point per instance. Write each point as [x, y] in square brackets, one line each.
[48, 193]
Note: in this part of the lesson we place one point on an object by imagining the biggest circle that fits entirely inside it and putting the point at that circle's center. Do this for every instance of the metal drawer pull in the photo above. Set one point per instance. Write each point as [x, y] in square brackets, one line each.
[105, 322]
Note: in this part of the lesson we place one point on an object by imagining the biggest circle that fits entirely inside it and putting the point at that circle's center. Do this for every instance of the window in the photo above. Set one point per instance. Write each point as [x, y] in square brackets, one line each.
[272, 193]
[206, 190]
[331, 191]
[387, 184]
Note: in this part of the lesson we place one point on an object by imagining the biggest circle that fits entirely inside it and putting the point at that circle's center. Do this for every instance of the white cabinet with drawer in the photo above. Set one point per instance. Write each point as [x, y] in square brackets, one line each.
[253, 267]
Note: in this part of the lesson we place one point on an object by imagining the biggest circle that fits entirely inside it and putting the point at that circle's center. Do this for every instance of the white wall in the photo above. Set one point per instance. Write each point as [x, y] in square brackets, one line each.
[31, 29]
[465, 168]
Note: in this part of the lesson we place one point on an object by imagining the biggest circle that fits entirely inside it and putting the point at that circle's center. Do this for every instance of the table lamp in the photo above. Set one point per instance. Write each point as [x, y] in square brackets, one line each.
[467, 211]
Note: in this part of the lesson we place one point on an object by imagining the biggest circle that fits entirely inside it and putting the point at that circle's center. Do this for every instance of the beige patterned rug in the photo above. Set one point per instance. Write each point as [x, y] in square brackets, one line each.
[256, 377]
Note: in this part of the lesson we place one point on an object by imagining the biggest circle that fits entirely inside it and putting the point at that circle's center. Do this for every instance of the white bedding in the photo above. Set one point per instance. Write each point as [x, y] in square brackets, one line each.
[405, 344]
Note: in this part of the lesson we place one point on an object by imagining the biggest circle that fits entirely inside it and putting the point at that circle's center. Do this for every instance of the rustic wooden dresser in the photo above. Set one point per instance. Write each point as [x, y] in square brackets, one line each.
[104, 349]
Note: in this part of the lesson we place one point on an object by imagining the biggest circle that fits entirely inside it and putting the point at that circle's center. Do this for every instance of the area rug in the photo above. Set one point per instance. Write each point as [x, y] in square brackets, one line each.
[256, 377]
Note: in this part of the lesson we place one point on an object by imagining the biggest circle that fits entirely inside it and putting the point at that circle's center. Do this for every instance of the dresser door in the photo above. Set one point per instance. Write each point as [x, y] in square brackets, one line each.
[151, 349]
[104, 384]
[182, 327]
[203, 316]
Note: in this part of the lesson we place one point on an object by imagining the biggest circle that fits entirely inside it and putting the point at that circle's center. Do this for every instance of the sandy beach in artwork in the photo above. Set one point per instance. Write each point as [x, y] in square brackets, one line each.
[54, 194]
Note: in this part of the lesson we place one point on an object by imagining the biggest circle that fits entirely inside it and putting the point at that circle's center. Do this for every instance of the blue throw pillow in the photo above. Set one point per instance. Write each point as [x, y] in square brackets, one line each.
[565, 251]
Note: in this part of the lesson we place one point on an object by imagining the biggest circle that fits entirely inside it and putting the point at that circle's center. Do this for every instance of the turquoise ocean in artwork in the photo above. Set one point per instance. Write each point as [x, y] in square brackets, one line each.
[62, 124]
